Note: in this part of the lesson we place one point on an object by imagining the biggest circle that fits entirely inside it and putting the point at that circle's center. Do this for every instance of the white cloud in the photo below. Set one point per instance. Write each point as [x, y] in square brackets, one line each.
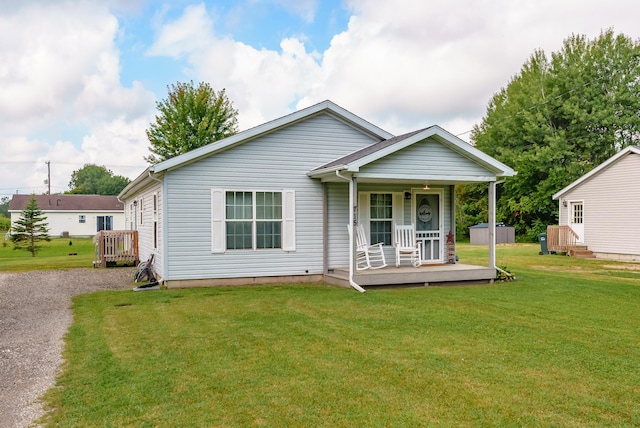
[263, 84]
[189, 33]
[402, 65]
[59, 70]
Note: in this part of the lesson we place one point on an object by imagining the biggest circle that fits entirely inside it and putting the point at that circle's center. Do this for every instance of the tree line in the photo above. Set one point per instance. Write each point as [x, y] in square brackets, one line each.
[557, 119]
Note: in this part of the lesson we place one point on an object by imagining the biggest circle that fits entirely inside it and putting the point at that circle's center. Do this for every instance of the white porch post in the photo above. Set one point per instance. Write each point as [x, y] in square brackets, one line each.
[492, 224]
[353, 219]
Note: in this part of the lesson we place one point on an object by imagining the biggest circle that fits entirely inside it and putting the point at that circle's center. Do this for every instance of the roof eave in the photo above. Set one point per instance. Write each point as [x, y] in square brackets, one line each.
[596, 170]
[458, 145]
[325, 106]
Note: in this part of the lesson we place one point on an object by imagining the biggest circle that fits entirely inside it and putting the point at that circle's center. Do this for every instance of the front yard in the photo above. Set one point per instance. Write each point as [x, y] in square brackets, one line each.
[558, 347]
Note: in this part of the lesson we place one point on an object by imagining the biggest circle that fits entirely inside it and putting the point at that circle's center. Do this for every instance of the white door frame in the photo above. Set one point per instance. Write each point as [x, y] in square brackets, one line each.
[433, 240]
[578, 228]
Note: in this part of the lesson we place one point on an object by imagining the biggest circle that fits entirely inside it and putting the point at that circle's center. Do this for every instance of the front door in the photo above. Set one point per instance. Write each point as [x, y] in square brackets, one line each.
[576, 219]
[427, 217]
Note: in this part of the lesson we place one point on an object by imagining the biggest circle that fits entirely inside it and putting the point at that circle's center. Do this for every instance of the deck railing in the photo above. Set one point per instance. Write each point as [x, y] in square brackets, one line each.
[113, 246]
[561, 238]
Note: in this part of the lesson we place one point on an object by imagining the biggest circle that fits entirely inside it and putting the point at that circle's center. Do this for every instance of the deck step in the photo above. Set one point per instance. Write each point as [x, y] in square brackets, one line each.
[581, 252]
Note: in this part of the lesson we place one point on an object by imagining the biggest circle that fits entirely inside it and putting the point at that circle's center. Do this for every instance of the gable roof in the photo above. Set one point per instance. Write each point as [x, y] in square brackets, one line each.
[328, 107]
[249, 134]
[354, 161]
[68, 203]
[604, 165]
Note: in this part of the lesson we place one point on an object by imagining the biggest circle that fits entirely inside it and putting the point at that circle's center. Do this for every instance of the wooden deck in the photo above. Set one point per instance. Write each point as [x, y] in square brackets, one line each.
[561, 239]
[114, 246]
[408, 275]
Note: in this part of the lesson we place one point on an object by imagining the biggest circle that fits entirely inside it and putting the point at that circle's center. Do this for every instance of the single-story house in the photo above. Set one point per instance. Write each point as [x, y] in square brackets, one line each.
[601, 207]
[273, 203]
[74, 215]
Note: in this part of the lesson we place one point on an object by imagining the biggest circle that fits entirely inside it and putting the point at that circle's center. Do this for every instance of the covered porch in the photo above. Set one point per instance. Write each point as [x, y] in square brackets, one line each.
[408, 180]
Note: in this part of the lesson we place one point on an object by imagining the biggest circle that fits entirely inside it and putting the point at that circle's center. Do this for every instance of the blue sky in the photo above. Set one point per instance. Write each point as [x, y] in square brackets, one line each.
[260, 24]
[80, 78]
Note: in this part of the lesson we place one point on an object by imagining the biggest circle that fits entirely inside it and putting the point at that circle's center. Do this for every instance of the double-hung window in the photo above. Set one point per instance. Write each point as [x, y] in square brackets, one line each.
[381, 217]
[252, 220]
[377, 212]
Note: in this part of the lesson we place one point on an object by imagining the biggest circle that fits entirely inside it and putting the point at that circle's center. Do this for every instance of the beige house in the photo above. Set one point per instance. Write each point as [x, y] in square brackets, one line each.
[74, 215]
[601, 207]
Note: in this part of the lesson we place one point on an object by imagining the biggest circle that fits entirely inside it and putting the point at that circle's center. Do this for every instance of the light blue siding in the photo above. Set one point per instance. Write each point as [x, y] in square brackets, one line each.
[429, 156]
[276, 161]
[144, 227]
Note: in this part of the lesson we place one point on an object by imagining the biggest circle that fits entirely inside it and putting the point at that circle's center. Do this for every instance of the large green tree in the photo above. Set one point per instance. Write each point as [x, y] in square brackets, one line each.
[30, 228]
[96, 180]
[190, 117]
[557, 119]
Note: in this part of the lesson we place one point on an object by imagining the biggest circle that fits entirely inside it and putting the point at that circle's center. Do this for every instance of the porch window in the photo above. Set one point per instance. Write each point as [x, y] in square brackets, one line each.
[381, 217]
[253, 220]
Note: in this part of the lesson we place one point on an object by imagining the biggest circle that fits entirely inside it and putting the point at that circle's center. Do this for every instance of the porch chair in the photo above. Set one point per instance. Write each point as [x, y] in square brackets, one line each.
[406, 245]
[367, 256]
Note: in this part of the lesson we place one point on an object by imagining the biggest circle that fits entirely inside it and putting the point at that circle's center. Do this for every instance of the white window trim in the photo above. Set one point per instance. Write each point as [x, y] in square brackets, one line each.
[397, 199]
[218, 220]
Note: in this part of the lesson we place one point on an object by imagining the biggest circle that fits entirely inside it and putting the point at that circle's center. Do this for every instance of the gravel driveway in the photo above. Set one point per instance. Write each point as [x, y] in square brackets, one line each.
[34, 316]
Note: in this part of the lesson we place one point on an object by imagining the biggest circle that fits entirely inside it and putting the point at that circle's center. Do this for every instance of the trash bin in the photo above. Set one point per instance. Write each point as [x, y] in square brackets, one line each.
[542, 238]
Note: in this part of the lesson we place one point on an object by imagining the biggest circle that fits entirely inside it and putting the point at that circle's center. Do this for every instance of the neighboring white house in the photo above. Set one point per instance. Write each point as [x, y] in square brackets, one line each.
[272, 203]
[602, 207]
[74, 215]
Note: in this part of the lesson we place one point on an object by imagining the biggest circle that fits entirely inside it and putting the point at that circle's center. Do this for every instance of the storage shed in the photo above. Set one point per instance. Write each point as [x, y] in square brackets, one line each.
[479, 234]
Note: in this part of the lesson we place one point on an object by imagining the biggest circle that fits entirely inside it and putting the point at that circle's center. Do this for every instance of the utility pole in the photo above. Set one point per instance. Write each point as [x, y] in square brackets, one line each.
[49, 177]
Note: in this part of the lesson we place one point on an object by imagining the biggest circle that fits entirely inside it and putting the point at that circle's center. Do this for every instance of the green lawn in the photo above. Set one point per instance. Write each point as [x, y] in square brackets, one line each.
[55, 254]
[558, 347]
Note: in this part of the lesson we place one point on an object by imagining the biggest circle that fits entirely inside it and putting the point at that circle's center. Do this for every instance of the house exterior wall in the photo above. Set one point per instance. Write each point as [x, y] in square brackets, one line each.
[69, 221]
[441, 160]
[611, 204]
[273, 162]
[143, 221]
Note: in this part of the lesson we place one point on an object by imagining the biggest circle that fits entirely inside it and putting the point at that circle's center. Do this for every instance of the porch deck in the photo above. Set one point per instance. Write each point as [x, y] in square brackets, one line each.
[408, 275]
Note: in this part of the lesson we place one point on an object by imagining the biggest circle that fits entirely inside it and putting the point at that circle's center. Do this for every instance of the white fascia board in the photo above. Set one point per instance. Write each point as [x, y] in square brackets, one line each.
[135, 184]
[269, 127]
[326, 171]
[596, 170]
[427, 177]
[451, 140]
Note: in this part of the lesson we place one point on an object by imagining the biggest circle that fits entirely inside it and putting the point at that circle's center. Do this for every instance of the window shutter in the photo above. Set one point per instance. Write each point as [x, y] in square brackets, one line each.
[218, 235]
[289, 220]
[363, 211]
[398, 212]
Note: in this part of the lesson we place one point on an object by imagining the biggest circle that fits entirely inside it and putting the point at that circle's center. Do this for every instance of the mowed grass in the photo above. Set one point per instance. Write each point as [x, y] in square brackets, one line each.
[55, 254]
[558, 347]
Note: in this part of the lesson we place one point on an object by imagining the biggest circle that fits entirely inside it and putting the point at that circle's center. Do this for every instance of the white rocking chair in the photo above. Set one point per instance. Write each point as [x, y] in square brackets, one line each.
[406, 245]
[367, 256]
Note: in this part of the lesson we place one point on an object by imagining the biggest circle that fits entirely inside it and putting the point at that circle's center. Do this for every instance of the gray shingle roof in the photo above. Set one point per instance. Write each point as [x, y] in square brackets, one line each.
[345, 160]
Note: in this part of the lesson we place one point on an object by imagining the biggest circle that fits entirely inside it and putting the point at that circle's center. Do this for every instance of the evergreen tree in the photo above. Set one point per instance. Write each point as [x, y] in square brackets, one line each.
[30, 228]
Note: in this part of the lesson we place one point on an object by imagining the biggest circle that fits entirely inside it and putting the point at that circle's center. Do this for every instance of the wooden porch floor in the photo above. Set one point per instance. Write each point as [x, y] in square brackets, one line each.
[408, 275]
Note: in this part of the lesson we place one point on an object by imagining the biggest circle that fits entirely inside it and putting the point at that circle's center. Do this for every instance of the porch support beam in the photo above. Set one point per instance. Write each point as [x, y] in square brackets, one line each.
[492, 224]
